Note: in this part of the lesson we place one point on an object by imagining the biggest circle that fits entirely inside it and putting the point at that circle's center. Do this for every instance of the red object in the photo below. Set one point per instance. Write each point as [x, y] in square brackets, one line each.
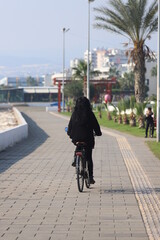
[54, 81]
[59, 93]
[107, 98]
[78, 154]
[107, 83]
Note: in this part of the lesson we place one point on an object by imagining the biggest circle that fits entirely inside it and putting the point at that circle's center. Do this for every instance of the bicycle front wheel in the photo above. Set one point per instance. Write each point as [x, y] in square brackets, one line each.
[80, 173]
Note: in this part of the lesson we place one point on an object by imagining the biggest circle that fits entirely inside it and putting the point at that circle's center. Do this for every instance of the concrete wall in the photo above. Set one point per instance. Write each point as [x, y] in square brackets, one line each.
[152, 80]
[54, 108]
[15, 134]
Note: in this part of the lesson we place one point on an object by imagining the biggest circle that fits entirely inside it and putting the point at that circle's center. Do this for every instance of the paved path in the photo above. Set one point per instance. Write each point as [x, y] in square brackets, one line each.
[39, 197]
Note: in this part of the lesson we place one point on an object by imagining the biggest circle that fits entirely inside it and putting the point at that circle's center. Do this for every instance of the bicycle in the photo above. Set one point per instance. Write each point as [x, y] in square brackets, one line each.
[82, 171]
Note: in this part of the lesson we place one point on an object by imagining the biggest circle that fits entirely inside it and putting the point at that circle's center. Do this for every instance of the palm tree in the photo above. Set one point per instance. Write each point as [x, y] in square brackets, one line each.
[81, 70]
[80, 73]
[140, 113]
[136, 20]
[125, 105]
[119, 112]
[132, 115]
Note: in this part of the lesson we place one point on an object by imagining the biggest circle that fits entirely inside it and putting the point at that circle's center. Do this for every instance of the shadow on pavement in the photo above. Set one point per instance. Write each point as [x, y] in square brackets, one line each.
[36, 137]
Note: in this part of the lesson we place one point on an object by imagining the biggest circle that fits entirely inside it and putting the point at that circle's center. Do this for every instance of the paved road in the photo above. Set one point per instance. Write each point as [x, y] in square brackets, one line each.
[38, 193]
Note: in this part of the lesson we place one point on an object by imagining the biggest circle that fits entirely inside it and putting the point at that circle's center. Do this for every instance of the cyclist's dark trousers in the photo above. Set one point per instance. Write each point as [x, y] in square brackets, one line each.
[89, 159]
[152, 127]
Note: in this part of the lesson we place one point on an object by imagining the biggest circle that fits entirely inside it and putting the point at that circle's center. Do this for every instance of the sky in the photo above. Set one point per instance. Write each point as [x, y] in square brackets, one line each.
[31, 31]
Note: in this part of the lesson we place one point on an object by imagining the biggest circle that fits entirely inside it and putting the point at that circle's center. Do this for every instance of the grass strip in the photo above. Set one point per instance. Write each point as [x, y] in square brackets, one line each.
[135, 131]
[154, 147]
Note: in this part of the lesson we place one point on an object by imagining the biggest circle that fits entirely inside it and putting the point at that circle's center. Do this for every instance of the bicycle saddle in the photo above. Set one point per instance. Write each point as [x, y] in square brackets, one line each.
[81, 144]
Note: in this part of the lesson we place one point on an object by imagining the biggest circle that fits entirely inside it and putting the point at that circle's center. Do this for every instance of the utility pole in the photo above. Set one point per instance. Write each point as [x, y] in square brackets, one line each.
[158, 77]
[64, 31]
[88, 58]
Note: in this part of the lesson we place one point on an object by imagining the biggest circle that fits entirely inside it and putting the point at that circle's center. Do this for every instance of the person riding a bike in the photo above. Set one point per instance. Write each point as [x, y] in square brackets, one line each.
[82, 127]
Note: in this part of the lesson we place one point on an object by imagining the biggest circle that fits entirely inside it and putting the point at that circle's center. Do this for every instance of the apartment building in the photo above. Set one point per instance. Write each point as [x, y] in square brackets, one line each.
[117, 56]
[104, 59]
[92, 57]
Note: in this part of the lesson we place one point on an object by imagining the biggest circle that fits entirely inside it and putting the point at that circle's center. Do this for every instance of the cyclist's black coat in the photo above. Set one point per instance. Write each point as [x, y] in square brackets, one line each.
[83, 131]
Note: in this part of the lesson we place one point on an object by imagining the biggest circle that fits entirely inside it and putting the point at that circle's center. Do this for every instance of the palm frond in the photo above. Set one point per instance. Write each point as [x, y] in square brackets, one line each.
[136, 10]
[109, 28]
[150, 18]
[132, 19]
[151, 29]
[116, 21]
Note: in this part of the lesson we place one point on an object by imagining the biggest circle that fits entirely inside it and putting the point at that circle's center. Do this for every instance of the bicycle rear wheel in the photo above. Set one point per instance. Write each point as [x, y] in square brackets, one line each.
[87, 179]
[80, 173]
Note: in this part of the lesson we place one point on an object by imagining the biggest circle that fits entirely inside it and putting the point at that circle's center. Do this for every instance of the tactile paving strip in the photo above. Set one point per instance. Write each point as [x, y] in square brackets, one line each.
[146, 196]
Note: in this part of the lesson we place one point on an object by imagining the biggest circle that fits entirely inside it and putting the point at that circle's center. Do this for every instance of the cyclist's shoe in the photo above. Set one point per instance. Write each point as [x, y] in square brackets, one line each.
[145, 136]
[74, 163]
[92, 181]
[151, 136]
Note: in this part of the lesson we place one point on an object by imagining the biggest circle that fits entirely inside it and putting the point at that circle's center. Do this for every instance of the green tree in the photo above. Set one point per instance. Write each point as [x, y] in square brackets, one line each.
[80, 73]
[31, 81]
[154, 71]
[136, 20]
[74, 89]
[127, 81]
[113, 72]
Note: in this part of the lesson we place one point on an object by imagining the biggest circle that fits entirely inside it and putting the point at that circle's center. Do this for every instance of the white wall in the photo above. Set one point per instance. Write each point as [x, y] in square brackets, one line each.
[152, 80]
[15, 134]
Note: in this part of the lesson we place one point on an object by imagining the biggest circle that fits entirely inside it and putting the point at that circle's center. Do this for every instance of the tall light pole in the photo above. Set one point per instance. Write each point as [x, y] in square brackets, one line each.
[88, 59]
[158, 77]
[64, 31]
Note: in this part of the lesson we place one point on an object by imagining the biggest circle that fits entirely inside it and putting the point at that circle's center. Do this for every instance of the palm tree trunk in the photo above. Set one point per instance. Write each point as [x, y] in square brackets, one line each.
[139, 74]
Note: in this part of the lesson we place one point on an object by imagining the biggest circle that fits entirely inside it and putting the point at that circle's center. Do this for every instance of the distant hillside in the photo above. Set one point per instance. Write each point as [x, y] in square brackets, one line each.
[13, 61]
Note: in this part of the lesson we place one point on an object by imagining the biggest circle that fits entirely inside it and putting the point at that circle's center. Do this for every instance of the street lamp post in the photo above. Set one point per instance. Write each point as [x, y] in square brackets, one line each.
[64, 31]
[88, 59]
[158, 77]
